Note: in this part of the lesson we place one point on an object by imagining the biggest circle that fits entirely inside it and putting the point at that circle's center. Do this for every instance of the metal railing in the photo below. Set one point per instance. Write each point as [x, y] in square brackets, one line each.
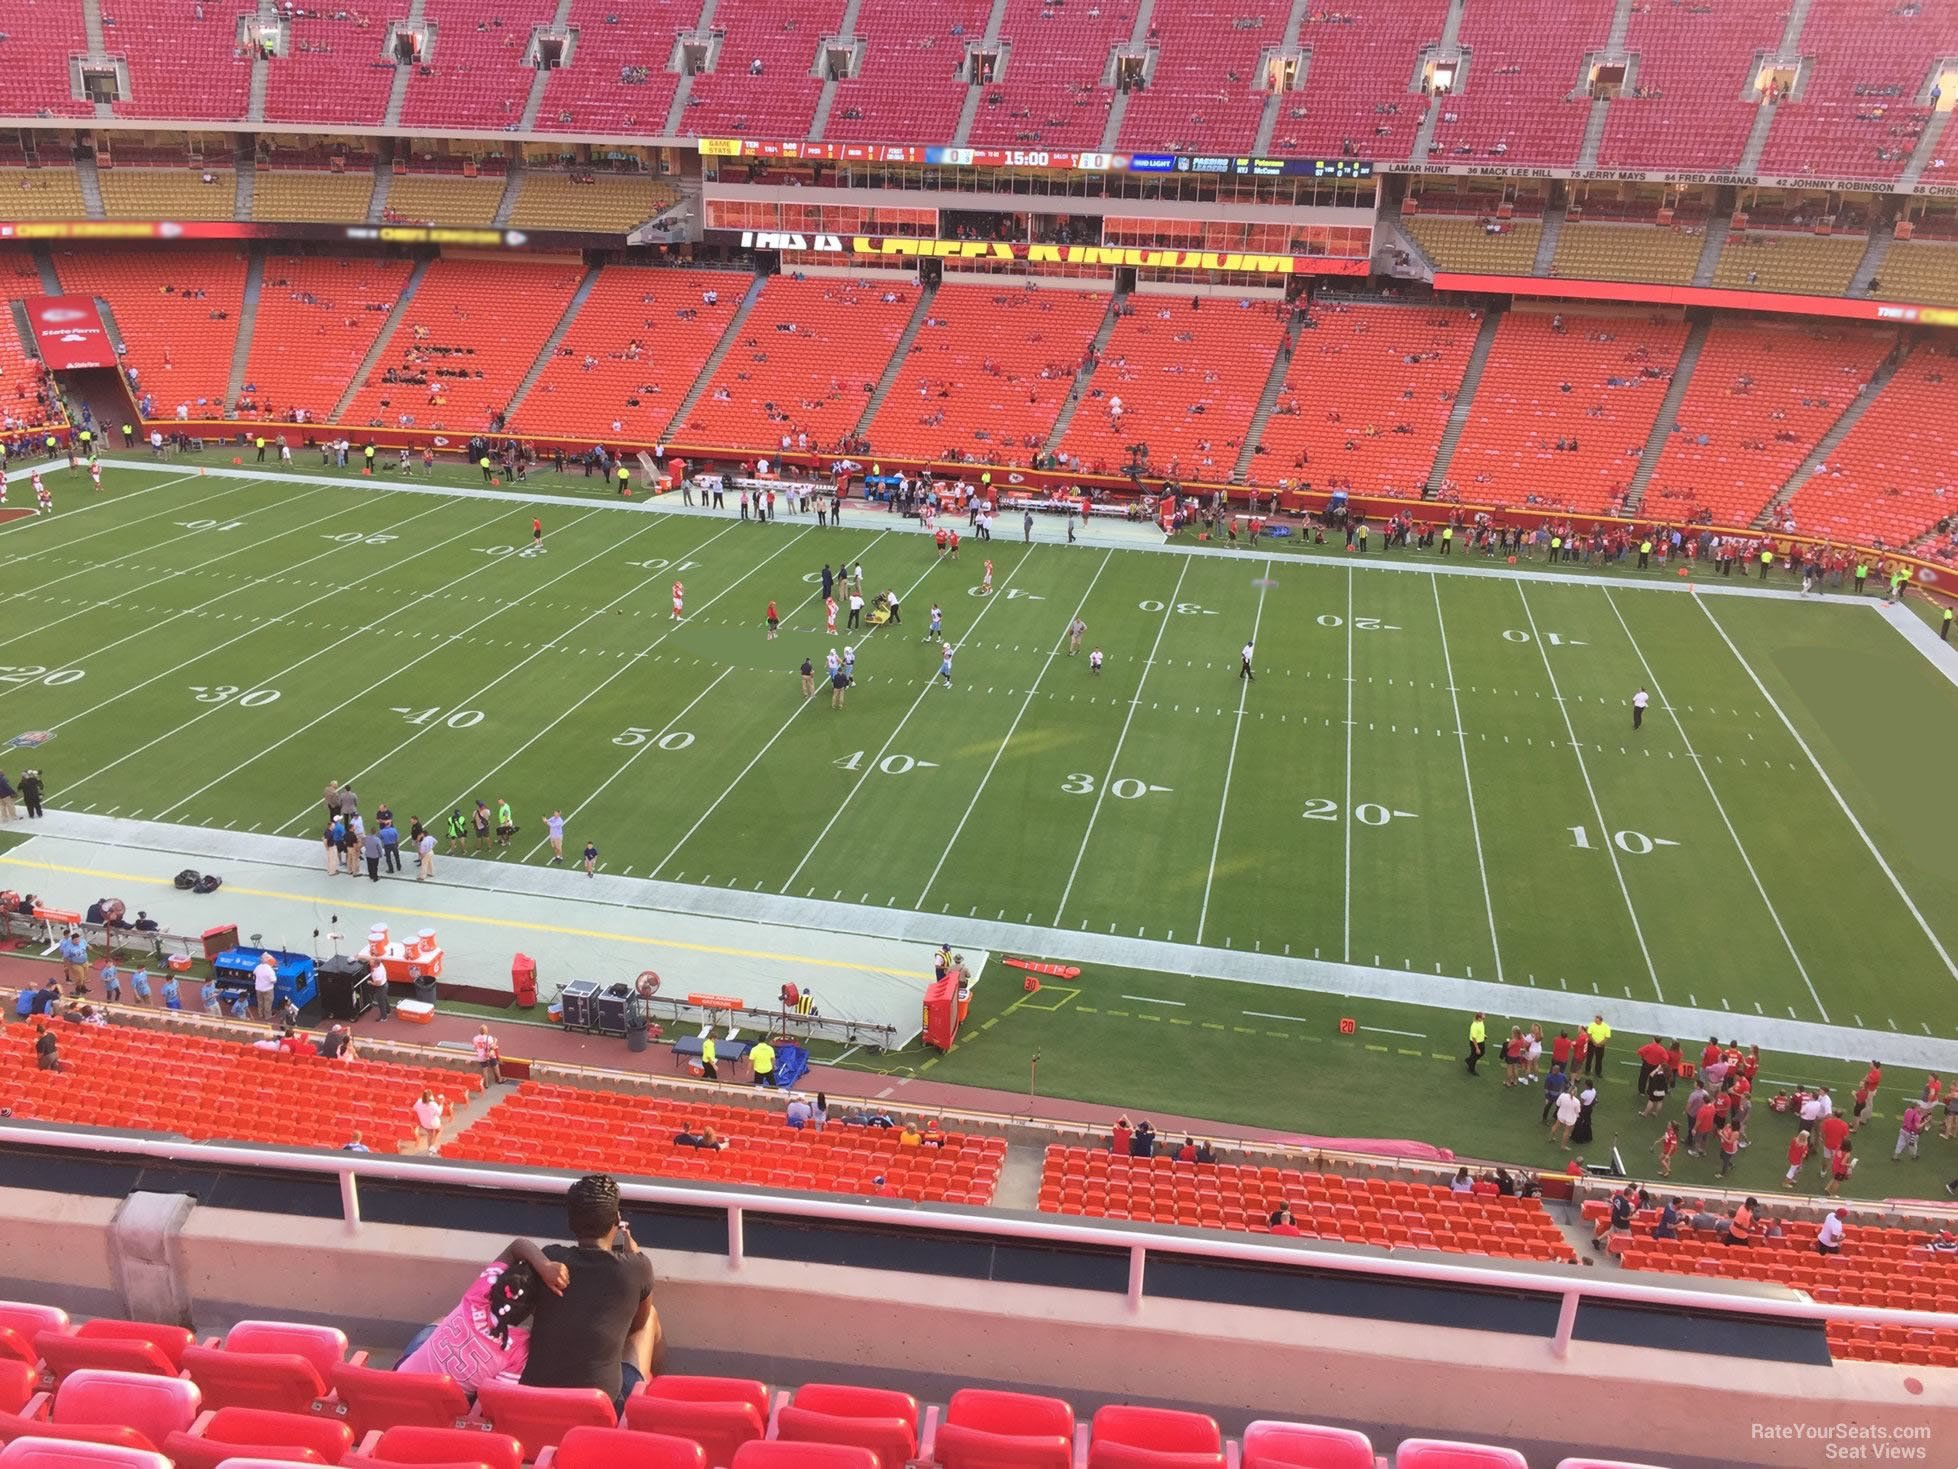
[1570, 1290]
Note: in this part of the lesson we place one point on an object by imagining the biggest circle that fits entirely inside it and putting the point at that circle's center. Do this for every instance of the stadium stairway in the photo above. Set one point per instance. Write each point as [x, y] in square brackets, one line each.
[901, 353]
[676, 113]
[1546, 245]
[513, 181]
[846, 29]
[1082, 379]
[551, 343]
[1716, 241]
[268, 15]
[534, 103]
[383, 185]
[398, 88]
[1288, 43]
[44, 268]
[1662, 426]
[969, 109]
[241, 351]
[373, 357]
[1826, 445]
[736, 324]
[1926, 149]
[1458, 415]
[1118, 105]
[1594, 125]
[91, 184]
[1275, 384]
[1871, 265]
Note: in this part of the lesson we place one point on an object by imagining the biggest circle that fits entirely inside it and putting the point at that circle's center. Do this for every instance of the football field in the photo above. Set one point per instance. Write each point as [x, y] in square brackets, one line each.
[1433, 772]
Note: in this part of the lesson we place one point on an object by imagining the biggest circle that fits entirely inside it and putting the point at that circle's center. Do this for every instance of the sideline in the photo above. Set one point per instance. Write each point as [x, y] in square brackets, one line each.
[927, 931]
[860, 516]
[1941, 655]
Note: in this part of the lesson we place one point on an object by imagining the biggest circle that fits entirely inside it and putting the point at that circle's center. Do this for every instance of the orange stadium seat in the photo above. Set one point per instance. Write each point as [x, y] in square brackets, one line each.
[317, 318]
[987, 373]
[1599, 383]
[1189, 379]
[178, 315]
[809, 355]
[633, 350]
[463, 344]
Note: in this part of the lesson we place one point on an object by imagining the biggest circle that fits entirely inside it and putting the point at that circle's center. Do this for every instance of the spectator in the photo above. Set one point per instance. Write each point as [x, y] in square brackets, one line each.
[1741, 1228]
[74, 959]
[1143, 1144]
[477, 1342]
[265, 979]
[46, 1047]
[1841, 1165]
[355, 1145]
[428, 1121]
[706, 1138]
[489, 1056]
[1624, 1208]
[1283, 1223]
[336, 1043]
[909, 1136]
[819, 1112]
[1910, 1127]
[880, 1187]
[1188, 1152]
[377, 987]
[1828, 1239]
[601, 1331]
[798, 1113]
[1568, 1111]
[1668, 1225]
[1461, 1183]
[1119, 1138]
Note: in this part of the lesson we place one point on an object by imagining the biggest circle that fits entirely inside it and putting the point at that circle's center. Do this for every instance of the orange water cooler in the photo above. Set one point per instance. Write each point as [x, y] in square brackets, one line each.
[941, 1019]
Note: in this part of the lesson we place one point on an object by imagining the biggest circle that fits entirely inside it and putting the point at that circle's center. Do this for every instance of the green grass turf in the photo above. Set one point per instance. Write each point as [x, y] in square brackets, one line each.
[1274, 1058]
[211, 650]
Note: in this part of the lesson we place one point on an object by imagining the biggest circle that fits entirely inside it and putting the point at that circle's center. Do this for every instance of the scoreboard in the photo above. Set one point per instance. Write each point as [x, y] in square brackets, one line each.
[1239, 165]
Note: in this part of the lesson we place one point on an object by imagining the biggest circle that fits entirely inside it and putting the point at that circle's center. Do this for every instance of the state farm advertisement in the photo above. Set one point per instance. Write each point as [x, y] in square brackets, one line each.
[68, 333]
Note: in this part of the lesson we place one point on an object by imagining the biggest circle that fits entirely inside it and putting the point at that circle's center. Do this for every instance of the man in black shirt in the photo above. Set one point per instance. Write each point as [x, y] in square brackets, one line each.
[602, 1331]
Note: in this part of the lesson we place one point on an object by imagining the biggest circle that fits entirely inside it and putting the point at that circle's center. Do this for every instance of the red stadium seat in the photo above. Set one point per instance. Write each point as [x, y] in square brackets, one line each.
[1269, 1444]
[411, 1444]
[994, 1411]
[64, 1354]
[1602, 1464]
[15, 1347]
[958, 1447]
[621, 1448]
[29, 1319]
[767, 1454]
[1164, 1430]
[13, 1426]
[18, 1383]
[231, 1433]
[155, 1407]
[280, 1382]
[369, 1398]
[324, 1346]
[1108, 1454]
[892, 1441]
[538, 1417]
[56, 1453]
[188, 1451]
[858, 1402]
[718, 1413]
[1435, 1453]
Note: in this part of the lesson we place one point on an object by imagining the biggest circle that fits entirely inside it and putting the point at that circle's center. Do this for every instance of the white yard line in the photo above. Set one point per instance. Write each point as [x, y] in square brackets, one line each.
[1230, 765]
[1101, 791]
[236, 554]
[109, 501]
[468, 700]
[274, 620]
[756, 758]
[1468, 781]
[1346, 810]
[1868, 842]
[337, 709]
[870, 765]
[626, 666]
[1025, 704]
[1604, 830]
[1652, 678]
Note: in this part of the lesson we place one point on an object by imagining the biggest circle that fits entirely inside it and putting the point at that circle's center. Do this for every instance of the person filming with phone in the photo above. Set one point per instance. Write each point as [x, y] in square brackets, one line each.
[601, 1331]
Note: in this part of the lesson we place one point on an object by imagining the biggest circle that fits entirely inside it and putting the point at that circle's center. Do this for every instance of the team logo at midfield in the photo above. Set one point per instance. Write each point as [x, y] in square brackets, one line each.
[32, 739]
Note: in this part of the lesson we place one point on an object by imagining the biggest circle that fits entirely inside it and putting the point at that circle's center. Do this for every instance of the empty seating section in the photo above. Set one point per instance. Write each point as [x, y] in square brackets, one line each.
[785, 37]
[317, 318]
[1357, 87]
[464, 343]
[1471, 245]
[443, 198]
[169, 193]
[1762, 396]
[312, 194]
[809, 356]
[336, 68]
[1189, 380]
[1856, 115]
[1693, 69]
[35, 43]
[1051, 94]
[582, 1129]
[124, 1077]
[1588, 251]
[1919, 270]
[606, 203]
[41, 193]
[1885, 480]
[634, 348]
[21, 402]
[908, 85]
[177, 312]
[618, 81]
[184, 60]
[1597, 384]
[472, 75]
[1204, 96]
[1809, 265]
[1524, 89]
[1357, 379]
[987, 373]
[1374, 1211]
